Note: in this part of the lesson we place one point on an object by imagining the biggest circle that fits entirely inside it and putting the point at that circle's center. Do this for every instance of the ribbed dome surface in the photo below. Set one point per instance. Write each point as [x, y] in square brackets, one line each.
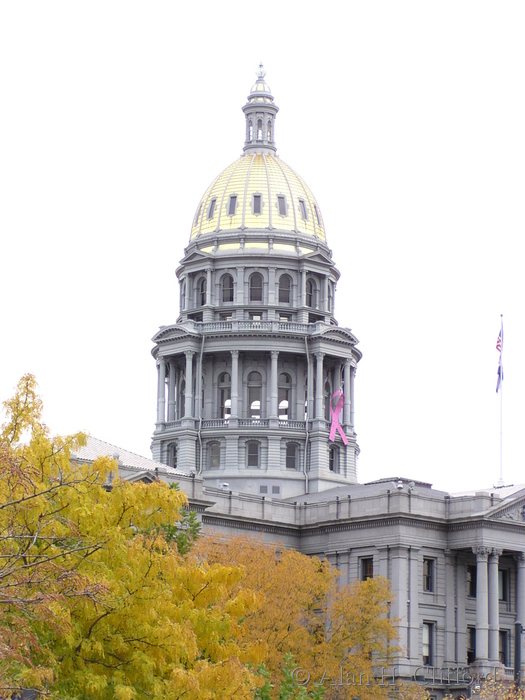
[256, 183]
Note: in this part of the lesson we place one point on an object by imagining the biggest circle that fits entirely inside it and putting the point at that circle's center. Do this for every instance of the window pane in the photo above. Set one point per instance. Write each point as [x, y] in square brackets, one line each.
[367, 568]
[211, 210]
[256, 204]
[253, 454]
[227, 288]
[291, 456]
[284, 289]
[232, 205]
[302, 207]
[282, 205]
[256, 285]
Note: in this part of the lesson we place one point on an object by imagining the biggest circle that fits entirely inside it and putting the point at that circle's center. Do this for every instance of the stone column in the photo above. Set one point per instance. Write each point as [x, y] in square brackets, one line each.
[171, 392]
[493, 592]
[235, 384]
[520, 589]
[399, 609]
[482, 604]
[161, 391]
[271, 286]
[310, 388]
[352, 402]
[450, 609]
[188, 397]
[303, 288]
[347, 404]
[240, 285]
[319, 385]
[273, 385]
[324, 305]
[208, 286]
[198, 387]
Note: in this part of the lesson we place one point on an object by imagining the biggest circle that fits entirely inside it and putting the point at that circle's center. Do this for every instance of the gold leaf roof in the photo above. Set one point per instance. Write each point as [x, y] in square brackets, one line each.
[258, 175]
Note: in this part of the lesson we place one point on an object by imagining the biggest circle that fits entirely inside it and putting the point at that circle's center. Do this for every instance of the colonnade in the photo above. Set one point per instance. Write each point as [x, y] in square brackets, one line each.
[168, 370]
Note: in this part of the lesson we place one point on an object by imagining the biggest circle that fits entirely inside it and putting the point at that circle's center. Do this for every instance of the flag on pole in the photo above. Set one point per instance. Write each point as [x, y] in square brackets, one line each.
[499, 348]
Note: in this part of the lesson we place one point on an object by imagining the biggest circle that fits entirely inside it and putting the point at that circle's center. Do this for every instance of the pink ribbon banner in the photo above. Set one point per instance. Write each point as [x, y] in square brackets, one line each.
[335, 417]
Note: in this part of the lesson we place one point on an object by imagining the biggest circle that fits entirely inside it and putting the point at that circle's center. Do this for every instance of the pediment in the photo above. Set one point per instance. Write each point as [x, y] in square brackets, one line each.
[171, 332]
[514, 511]
[195, 255]
[142, 478]
[319, 256]
[340, 334]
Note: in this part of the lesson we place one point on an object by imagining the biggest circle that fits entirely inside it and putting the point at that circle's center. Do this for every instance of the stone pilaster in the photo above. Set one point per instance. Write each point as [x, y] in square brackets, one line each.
[188, 396]
[319, 388]
[161, 391]
[171, 391]
[346, 381]
[273, 385]
[235, 385]
[493, 594]
[450, 610]
[482, 604]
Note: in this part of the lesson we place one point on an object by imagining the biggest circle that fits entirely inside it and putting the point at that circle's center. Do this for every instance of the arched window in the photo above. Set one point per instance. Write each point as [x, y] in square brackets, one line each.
[311, 294]
[254, 395]
[259, 130]
[253, 454]
[285, 289]
[250, 131]
[214, 455]
[256, 287]
[183, 296]
[227, 289]
[291, 455]
[269, 131]
[327, 400]
[333, 459]
[330, 297]
[225, 396]
[201, 292]
[284, 390]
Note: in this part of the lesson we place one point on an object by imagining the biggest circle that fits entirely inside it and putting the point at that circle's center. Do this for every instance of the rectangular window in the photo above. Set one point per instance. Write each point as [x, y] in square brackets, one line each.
[367, 568]
[253, 454]
[503, 584]
[427, 645]
[302, 207]
[256, 203]
[504, 647]
[255, 317]
[211, 210]
[471, 645]
[276, 490]
[282, 204]
[428, 575]
[471, 581]
[226, 317]
[232, 205]
[263, 489]
[215, 455]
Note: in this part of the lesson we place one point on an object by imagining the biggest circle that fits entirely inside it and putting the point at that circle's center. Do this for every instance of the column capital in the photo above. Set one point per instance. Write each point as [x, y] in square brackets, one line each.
[520, 558]
[319, 354]
[449, 552]
[494, 554]
[234, 353]
[348, 362]
[274, 353]
[161, 360]
[189, 353]
[481, 553]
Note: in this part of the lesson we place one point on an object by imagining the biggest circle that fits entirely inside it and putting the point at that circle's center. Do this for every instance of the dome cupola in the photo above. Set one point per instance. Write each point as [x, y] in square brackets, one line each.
[260, 112]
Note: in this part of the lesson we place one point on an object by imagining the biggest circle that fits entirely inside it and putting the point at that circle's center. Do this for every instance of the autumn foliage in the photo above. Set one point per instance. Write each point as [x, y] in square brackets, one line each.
[103, 595]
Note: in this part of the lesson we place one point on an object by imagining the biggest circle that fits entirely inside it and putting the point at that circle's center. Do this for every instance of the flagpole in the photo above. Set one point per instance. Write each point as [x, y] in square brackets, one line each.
[500, 480]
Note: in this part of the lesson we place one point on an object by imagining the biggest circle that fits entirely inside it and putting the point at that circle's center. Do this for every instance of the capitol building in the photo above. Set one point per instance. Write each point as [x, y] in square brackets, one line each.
[255, 419]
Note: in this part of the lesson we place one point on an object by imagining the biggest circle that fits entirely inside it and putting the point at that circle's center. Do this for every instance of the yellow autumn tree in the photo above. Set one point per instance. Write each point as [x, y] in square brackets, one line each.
[95, 600]
[335, 633]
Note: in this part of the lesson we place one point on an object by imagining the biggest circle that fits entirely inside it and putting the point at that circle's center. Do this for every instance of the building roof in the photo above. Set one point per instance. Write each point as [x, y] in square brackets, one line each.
[99, 448]
[268, 176]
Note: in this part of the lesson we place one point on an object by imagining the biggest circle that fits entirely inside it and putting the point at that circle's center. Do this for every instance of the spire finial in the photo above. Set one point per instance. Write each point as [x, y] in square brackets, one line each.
[261, 72]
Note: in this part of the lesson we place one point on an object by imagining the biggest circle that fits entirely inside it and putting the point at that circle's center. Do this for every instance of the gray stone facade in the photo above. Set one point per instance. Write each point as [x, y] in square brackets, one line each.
[246, 376]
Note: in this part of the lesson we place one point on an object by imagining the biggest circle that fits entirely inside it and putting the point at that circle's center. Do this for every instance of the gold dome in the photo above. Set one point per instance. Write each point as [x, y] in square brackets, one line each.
[258, 192]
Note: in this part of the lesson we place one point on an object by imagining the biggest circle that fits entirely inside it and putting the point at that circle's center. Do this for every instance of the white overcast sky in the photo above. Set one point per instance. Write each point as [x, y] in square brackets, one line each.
[407, 120]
